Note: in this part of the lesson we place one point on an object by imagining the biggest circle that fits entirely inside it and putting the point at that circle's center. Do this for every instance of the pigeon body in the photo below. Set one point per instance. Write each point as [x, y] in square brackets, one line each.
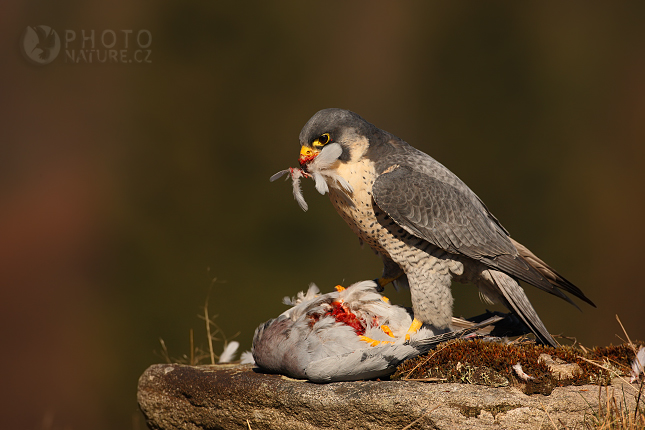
[345, 335]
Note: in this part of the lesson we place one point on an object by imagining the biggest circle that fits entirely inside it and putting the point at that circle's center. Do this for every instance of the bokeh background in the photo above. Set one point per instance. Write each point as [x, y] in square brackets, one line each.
[125, 189]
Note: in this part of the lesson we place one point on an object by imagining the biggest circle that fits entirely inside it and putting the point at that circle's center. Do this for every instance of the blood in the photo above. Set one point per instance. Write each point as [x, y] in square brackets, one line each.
[302, 172]
[345, 316]
[304, 159]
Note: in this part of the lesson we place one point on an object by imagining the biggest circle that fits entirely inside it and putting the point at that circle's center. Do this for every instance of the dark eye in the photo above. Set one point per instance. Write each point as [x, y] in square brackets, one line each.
[324, 139]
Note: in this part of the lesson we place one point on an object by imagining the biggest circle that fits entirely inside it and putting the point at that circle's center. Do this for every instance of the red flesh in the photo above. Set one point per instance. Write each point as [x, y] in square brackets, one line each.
[345, 316]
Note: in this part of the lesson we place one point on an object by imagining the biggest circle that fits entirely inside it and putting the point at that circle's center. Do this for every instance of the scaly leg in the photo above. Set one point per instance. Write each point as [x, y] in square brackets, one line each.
[414, 327]
[391, 272]
[373, 342]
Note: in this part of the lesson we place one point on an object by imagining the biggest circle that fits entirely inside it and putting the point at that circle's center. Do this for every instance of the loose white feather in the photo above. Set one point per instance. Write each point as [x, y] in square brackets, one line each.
[318, 169]
[311, 294]
[278, 175]
[229, 352]
[638, 364]
[520, 373]
[247, 358]
[297, 191]
[295, 174]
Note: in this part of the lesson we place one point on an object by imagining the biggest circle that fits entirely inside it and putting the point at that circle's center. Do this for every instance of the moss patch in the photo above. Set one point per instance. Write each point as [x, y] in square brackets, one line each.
[491, 364]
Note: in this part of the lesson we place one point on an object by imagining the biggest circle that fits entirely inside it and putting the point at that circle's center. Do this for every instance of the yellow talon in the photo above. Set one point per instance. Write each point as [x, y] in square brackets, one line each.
[414, 327]
[387, 330]
[339, 288]
[385, 299]
[373, 342]
[384, 281]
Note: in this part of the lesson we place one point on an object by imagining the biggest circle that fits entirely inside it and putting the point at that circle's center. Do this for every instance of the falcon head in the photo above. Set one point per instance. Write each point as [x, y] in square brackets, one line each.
[337, 133]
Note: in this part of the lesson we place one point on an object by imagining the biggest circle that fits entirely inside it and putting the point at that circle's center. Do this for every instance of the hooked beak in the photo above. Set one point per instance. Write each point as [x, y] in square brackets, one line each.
[306, 155]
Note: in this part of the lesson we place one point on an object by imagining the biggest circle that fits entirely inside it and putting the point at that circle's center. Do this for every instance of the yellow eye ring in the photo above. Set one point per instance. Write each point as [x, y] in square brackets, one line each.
[322, 140]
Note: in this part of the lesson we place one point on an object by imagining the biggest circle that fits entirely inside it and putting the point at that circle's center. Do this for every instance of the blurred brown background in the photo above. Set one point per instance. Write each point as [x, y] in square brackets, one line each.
[124, 188]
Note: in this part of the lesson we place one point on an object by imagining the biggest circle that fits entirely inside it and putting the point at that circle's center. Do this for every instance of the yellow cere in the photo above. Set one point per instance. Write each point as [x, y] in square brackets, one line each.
[306, 151]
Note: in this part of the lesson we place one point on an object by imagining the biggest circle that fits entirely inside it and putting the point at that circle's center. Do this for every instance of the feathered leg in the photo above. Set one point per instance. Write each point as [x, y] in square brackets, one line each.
[431, 297]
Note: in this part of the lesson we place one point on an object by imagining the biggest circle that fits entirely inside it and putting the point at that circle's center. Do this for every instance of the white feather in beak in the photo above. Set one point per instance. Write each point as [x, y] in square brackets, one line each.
[295, 174]
[280, 174]
[328, 156]
[320, 170]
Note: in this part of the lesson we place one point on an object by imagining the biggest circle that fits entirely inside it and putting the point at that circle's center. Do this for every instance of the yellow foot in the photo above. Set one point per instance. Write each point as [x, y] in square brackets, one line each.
[414, 327]
[387, 330]
[384, 281]
[339, 288]
[373, 342]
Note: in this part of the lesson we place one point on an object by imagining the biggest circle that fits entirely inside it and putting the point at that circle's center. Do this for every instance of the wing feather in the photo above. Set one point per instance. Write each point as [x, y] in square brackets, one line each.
[440, 213]
[454, 219]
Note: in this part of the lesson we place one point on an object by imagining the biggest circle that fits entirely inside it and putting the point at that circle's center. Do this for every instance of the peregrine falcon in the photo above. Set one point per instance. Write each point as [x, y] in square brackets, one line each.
[428, 227]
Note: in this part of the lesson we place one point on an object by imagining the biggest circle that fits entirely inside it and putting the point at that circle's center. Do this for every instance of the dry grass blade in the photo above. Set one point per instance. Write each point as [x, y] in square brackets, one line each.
[419, 419]
[607, 369]
[439, 348]
[633, 347]
[549, 416]
[626, 335]
[197, 354]
[637, 410]
[164, 351]
[571, 338]
[613, 414]
[208, 328]
[192, 348]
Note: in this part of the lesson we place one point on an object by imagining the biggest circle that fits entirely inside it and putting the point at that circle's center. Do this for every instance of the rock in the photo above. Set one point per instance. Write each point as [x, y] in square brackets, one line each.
[560, 368]
[174, 396]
